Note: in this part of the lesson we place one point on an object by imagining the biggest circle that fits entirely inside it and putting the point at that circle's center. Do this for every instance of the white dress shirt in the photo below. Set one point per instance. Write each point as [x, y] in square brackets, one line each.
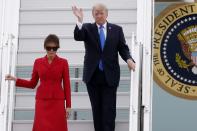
[79, 24]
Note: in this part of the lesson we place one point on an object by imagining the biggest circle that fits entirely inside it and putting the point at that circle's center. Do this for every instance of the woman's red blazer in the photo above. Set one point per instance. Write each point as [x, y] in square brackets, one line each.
[54, 79]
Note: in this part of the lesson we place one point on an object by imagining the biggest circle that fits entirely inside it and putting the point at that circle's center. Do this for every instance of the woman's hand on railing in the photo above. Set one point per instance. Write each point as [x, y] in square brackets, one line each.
[68, 112]
[9, 77]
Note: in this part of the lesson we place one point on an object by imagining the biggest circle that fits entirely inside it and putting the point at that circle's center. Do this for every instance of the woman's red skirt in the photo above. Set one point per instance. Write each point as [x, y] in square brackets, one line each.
[50, 115]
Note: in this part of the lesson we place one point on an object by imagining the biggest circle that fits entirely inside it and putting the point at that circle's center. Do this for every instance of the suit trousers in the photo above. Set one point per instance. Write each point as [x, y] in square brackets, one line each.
[103, 102]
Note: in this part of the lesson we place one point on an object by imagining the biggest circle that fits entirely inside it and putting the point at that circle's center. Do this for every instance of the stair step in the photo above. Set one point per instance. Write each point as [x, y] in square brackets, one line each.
[65, 15]
[74, 58]
[79, 100]
[36, 44]
[75, 71]
[73, 125]
[62, 37]
[61, 29]
[83, 3]
[76, 114]
[124, 86]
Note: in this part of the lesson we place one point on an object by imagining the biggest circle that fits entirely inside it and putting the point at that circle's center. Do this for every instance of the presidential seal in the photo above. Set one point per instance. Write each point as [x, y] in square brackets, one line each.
[175, 50]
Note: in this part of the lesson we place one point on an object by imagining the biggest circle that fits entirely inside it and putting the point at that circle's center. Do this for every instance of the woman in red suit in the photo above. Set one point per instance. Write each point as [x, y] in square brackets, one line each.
[53, 91]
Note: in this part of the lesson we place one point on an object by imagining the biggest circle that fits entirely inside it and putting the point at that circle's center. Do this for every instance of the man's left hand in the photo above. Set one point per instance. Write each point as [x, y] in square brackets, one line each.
[131, 64]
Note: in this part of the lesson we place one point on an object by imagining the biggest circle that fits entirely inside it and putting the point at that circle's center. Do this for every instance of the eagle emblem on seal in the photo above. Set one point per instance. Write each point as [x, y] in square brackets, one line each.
[188, 41]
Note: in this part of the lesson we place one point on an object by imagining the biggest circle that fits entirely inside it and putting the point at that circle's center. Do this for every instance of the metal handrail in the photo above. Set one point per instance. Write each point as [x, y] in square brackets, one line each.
[6, 94]
[134, 86]
[4, 88]
[12, 84]
[9, 19]
[2, 22]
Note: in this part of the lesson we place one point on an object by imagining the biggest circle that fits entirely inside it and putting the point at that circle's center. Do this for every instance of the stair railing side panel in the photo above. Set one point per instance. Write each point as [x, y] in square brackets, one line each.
[2, 7]
[8, 49]
[147, 66]
[12, 83]
[144, 36]
[139, 39]
[4, 86]
[134, 87]
[2, 19]
[14, 29]
[7, 59]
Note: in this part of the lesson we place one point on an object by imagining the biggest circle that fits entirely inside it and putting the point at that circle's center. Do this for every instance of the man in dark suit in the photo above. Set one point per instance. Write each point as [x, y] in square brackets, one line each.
[103, 41]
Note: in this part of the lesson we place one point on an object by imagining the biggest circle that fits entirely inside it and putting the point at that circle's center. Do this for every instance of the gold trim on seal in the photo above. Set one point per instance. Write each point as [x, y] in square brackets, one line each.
[162, 22]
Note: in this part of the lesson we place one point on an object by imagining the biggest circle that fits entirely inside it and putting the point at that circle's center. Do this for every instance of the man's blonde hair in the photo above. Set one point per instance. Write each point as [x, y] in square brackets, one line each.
[101, 6]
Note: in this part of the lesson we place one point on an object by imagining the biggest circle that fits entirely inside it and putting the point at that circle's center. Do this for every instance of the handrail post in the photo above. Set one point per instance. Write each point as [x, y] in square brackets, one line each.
[134, 86]
[12, 66]
[5, 96]
[144, 35]
[9, 19]
[4, 84]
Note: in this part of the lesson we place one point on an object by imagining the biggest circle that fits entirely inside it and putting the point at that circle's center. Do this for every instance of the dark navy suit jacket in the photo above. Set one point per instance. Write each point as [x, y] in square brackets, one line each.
[114, 44]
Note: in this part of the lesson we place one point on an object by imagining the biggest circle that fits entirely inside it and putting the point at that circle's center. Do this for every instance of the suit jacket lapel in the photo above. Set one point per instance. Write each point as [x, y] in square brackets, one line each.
[46, 63]
[109, 33]
[96, 35]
